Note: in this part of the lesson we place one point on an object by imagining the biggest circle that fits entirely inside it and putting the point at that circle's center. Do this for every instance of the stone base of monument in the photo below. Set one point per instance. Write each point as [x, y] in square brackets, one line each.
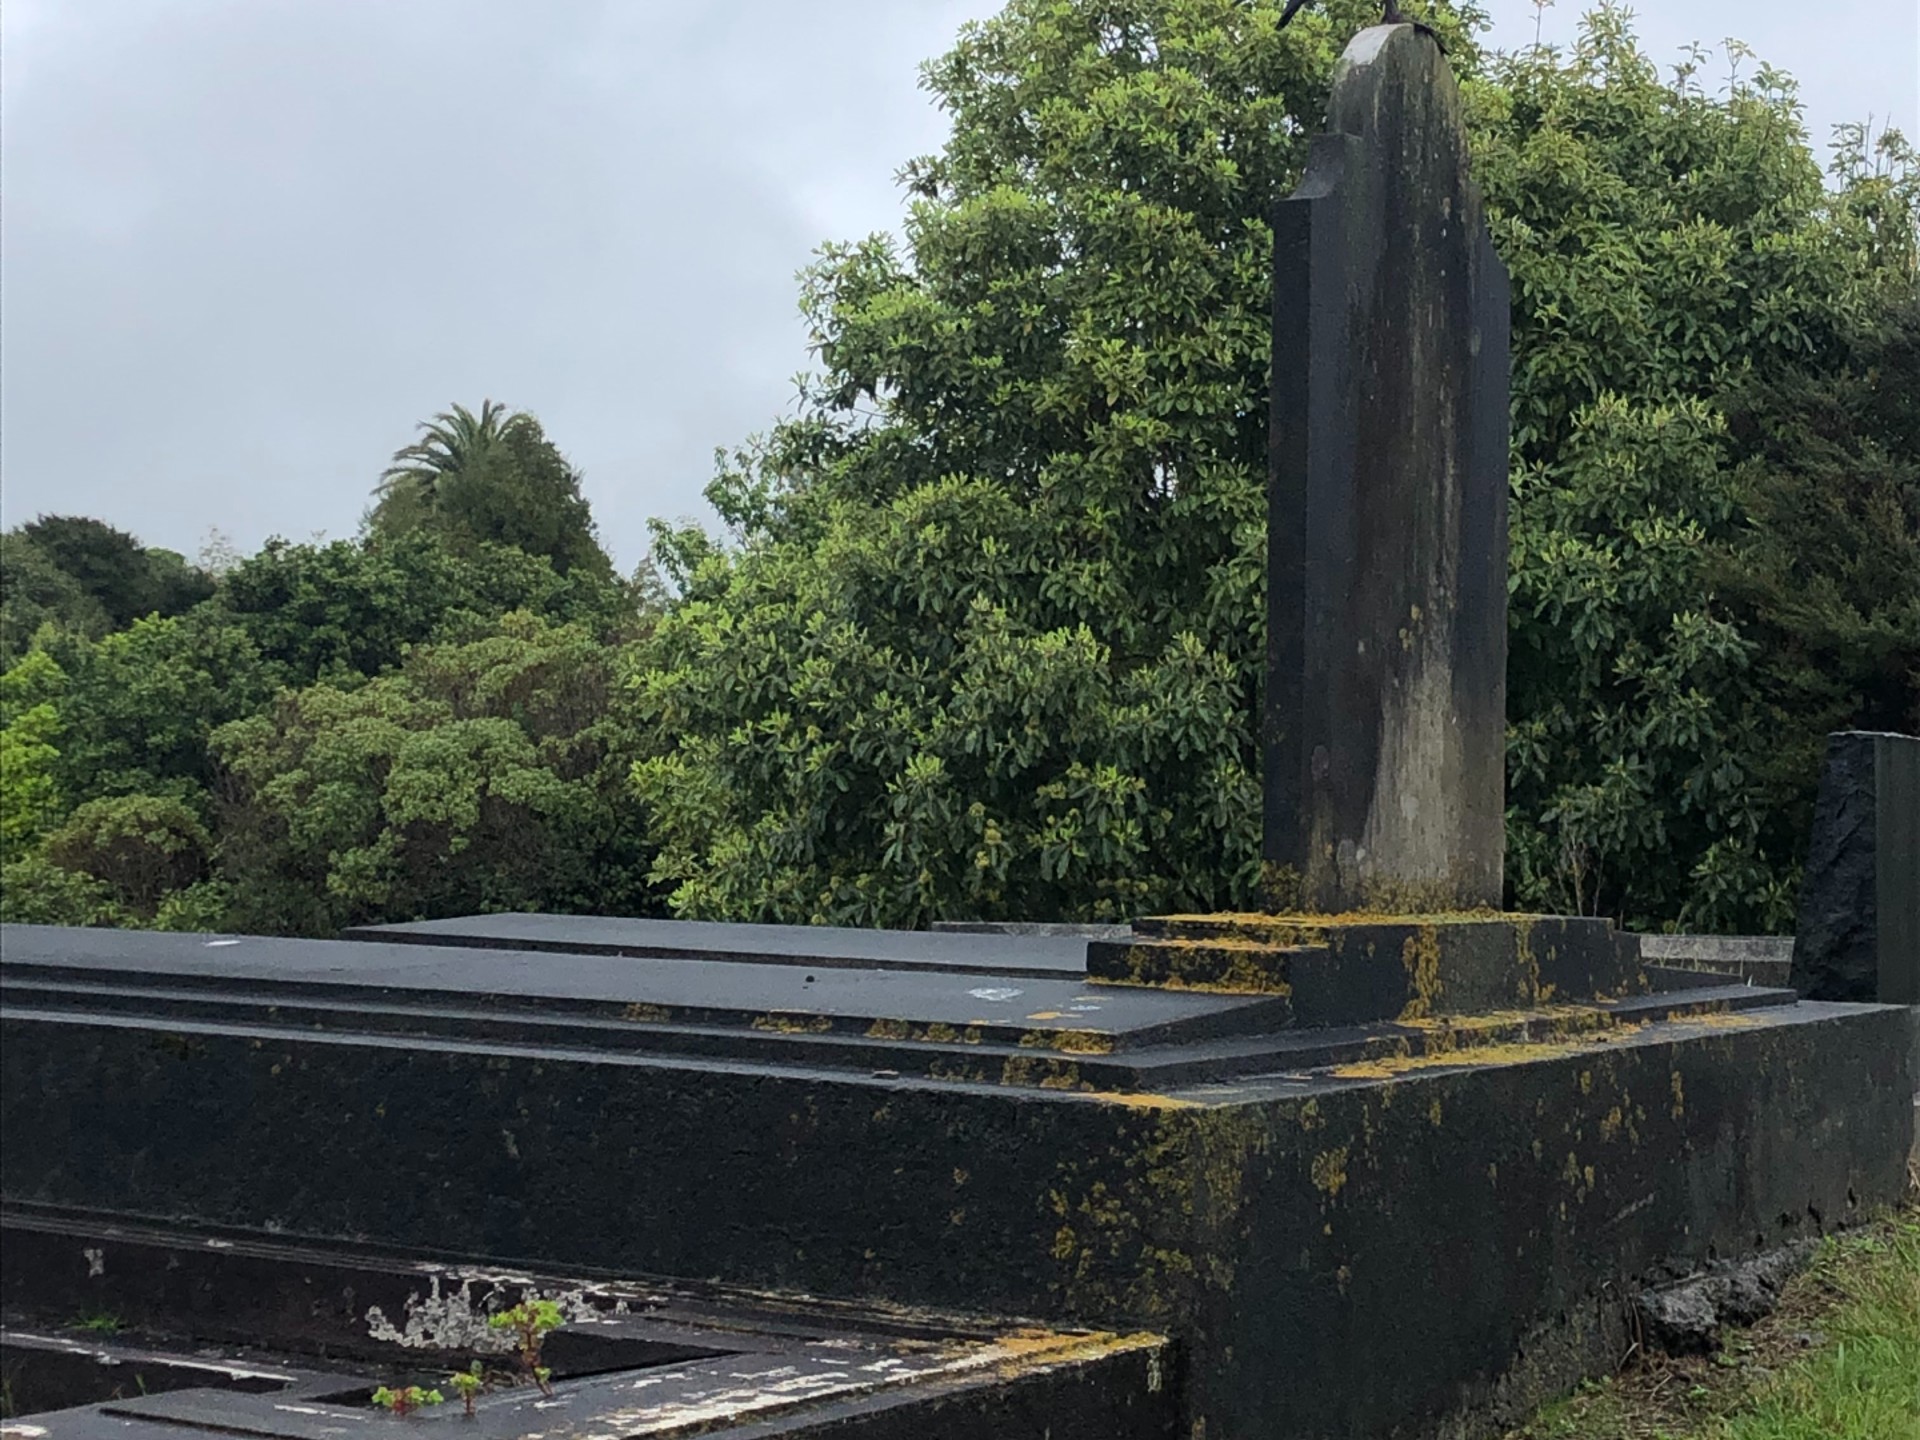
[1352, 969]
[1420, 1209]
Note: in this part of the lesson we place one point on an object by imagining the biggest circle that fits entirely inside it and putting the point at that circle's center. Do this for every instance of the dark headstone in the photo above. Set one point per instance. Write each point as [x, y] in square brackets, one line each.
[1387, 611]
[1859, 932]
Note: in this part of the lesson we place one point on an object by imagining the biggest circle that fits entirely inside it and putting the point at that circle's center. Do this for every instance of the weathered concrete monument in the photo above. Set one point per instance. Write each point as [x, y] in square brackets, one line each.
[1384, 1161]
[1387, 521]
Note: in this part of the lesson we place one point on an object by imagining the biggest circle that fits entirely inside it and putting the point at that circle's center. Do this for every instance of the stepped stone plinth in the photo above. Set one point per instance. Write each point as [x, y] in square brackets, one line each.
[1354, 969]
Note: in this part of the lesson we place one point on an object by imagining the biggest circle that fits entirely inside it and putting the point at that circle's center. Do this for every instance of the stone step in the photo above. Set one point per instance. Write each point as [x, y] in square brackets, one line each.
[1354, 969]
[1153, 1063]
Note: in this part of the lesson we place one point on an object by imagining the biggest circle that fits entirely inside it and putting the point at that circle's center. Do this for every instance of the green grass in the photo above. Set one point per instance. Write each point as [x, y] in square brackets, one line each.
[1865, 1385]
[1840, 1360]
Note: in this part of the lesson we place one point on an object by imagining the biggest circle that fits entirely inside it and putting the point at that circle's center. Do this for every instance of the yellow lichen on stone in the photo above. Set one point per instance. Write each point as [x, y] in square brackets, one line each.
[1079, 1042]
[642, 1014]
[794, 1024]
[1420, 954]
[1330, 1171]
[888, 1030]
[1141, 1100]
[1527, 963]
[1040, 1072]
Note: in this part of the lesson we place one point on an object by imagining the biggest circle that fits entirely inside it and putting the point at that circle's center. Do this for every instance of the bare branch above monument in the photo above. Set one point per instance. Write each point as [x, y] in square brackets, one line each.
[1393, 16]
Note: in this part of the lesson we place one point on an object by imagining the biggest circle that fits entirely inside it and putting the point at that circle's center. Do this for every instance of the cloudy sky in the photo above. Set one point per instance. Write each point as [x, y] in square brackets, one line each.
[246, 244]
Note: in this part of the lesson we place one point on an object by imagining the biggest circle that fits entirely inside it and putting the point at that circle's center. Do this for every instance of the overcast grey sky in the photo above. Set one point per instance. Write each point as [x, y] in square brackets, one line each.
[246, 244]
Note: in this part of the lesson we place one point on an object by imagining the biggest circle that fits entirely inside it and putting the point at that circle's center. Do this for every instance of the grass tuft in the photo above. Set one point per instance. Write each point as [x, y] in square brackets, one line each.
[1839, 1360]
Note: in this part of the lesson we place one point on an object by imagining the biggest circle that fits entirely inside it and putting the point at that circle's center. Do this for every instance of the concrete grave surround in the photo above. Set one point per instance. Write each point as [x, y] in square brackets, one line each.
[1387, 601]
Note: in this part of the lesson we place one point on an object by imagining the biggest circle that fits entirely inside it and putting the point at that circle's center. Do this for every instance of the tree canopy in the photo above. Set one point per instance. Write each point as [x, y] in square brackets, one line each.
[83, 574]
[422, 721]
[490, 479]
[988, 639]
[982, 637]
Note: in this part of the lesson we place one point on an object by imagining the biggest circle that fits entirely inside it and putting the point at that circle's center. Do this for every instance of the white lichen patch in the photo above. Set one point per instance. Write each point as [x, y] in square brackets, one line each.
[449, 1319]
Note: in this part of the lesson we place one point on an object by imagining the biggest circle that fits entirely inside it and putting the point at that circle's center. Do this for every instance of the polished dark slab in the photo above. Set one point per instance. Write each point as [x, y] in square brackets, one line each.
[820, 946]
[171, 973]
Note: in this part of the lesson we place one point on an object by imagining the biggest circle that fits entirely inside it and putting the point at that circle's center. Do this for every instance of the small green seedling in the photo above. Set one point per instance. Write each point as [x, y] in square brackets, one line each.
[530, 1321]
[467, 1384]
[407, 1399]
[101, 1324]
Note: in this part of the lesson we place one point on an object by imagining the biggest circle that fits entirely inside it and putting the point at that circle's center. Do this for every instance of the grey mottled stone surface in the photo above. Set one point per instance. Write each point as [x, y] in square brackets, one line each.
[1760, 959]
[1386, 698]
[1858, 936]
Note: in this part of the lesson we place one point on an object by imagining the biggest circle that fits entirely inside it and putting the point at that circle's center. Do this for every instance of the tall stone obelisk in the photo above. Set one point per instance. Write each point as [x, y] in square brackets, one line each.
[1385, 719]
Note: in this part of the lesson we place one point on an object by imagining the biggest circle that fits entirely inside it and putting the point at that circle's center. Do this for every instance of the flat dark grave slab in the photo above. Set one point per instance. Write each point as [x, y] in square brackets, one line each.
[819, 946]
[972, 1007]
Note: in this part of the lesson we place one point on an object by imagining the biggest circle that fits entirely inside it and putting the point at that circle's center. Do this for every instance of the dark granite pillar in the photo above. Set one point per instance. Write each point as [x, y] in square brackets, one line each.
[1386, 691]
[1859, 931]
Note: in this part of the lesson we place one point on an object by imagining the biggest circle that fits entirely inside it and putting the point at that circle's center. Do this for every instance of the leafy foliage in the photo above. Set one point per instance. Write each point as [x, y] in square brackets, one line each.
[987, 642]
[531, 1321]
[141, 847]
[37, 596]
[140, 704]
[984, 635]
[35, 891]
[1666, 247]
[406, 1399]
[480, 776]
[990, 643]
[419, 722]
[495, 479]
[29, 752]
[1823, 569]
[351, 609]
[125, 578]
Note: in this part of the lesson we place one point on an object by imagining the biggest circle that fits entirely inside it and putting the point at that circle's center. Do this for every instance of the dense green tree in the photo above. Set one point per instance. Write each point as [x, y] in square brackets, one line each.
[1823, 567]
[492, 478]
[127, 579]
[1667, 247]
[453, 441]
[487, 775]
[35, 891]
[142, 848]
[990, 641]
[29, 752]
[351, 608]
[138, 706]
[988, 634]
[36, 593]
